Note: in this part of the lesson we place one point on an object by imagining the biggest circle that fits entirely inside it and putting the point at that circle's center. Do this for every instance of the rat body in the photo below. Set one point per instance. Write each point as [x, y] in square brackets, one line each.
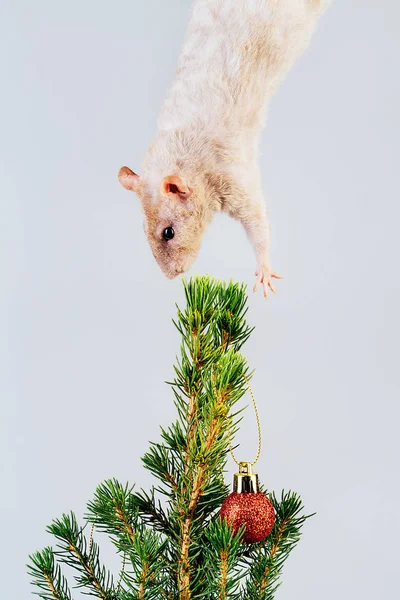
[204, 158]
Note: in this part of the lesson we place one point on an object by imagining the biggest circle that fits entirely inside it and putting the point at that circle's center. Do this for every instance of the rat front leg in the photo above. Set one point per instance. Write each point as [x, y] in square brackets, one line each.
[242, 198]
[257, 228]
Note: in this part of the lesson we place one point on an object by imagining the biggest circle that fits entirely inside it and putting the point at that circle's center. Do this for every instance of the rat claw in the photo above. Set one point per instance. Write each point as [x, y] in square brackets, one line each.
[259, 280]
[264, 277]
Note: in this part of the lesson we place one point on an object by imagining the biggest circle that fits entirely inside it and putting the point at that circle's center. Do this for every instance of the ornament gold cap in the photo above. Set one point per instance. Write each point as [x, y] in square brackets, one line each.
[245, 482]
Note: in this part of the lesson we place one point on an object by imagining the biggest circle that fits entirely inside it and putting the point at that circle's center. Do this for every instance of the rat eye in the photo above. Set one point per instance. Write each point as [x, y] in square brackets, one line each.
[168, 233]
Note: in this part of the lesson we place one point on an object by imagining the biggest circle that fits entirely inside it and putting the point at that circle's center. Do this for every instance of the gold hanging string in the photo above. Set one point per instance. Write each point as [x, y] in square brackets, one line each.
[91, 539]
[121, 574]
[123, 560]
[258, 425]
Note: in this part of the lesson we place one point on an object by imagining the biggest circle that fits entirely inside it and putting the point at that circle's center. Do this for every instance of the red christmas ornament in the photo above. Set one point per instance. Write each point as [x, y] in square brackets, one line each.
[247, 505]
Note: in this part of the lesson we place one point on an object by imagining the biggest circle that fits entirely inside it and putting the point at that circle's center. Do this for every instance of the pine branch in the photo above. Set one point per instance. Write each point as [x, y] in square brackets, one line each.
[190, 460]
[265, 560]
[114, 511]
[147, 571]
[48, 576]
[223, 550]
[232, 306]
[152, 512]
[210, 376]
[74, 551]
[162, 461]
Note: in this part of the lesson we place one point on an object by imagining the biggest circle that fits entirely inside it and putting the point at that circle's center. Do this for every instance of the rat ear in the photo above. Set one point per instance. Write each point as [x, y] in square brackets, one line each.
[128, 179]
[175, 185]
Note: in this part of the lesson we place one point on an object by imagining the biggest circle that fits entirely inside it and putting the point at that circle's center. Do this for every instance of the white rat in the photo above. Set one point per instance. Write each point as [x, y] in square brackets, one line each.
[205, 156]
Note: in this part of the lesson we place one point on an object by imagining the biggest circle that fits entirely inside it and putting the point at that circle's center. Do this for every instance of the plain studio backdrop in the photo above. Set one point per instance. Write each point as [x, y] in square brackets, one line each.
[87, 340]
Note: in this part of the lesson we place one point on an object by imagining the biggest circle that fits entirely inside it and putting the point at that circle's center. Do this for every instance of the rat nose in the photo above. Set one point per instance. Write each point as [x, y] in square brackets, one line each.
[172, 273]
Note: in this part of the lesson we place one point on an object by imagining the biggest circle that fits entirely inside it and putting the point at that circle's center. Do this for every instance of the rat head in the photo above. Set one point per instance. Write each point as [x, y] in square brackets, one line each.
[175, 219]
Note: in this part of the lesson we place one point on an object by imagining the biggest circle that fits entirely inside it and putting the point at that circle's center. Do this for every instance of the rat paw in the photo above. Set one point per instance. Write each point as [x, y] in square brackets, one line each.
[264, 277]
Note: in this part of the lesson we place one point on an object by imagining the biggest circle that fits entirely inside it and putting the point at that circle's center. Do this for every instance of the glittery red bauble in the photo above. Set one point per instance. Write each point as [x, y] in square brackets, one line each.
[256, 510]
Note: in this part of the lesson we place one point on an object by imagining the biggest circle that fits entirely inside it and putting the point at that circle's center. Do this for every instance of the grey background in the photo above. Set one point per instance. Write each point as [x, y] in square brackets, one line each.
[87, 339]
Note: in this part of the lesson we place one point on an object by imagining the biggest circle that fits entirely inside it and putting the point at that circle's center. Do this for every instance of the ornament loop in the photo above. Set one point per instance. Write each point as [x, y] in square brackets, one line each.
[258, 431]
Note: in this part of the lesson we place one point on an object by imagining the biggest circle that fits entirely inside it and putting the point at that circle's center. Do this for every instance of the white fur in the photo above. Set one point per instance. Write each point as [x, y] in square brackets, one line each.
[212, 53]
[234, 55]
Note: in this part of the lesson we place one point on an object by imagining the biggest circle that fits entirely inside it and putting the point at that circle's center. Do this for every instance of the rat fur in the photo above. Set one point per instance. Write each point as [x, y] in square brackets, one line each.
[204, 158]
